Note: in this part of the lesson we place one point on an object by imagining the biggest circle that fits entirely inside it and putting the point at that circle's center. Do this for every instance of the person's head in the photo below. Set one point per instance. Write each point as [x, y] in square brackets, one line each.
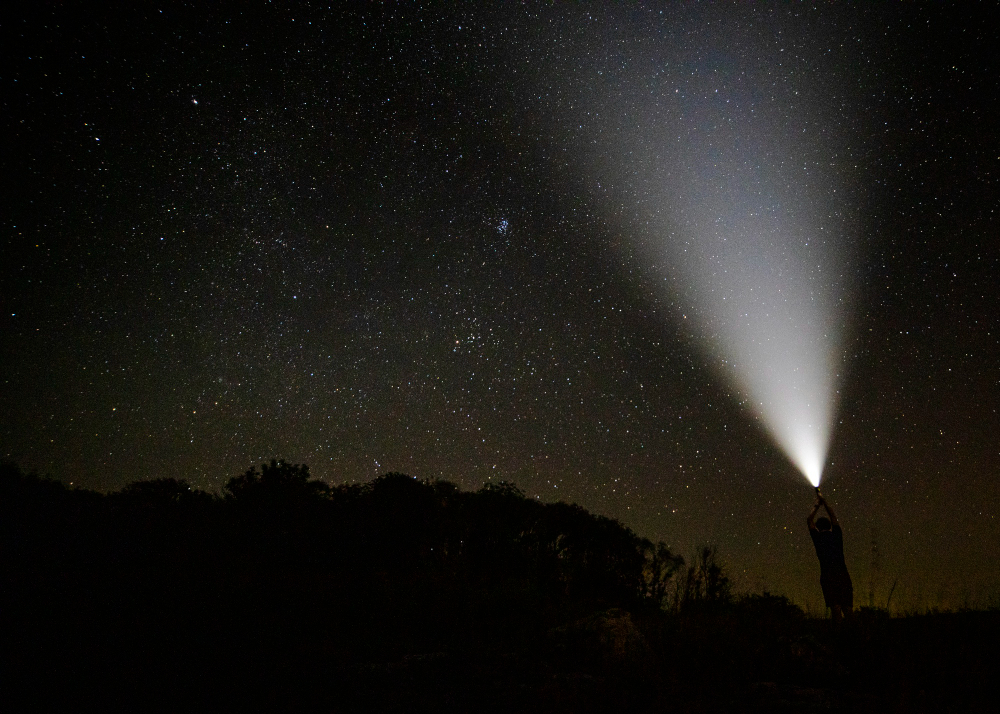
[823, 523]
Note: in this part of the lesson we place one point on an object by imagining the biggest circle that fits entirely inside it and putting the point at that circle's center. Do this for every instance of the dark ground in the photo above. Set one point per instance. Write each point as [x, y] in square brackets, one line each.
[402, 595]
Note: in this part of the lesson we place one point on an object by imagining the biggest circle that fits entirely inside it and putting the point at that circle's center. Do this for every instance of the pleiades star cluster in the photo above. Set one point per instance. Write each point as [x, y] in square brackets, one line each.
[451, 241]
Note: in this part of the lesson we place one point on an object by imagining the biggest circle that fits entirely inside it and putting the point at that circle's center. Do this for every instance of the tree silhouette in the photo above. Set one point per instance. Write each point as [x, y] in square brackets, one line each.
[277, 481]
[705, 583]
[659, 569]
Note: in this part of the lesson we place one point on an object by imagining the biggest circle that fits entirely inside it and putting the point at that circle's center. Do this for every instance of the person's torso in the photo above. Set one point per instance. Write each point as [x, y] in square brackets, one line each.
[829, 548]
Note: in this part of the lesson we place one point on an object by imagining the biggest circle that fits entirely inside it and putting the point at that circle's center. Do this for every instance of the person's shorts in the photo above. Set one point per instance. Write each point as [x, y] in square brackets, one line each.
[837, 589]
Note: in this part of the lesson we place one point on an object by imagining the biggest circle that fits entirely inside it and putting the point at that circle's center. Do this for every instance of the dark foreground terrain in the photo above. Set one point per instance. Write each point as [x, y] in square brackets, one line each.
[401, 595]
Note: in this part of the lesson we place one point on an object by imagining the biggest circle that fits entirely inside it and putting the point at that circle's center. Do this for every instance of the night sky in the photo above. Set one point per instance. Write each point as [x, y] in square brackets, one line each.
[417, 238]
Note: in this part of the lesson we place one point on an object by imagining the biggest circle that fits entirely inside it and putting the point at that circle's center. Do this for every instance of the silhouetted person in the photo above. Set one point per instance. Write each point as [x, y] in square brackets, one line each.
[838, 591]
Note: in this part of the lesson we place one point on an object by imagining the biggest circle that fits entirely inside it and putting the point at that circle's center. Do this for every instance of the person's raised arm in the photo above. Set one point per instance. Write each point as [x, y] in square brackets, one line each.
[811, 520]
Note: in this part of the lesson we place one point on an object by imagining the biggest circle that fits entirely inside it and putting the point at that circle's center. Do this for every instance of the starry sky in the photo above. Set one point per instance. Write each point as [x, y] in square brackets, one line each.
[445, 241]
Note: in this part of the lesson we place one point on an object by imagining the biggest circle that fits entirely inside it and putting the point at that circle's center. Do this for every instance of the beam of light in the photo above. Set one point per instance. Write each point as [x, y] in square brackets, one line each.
[751, 225]
[735, 151]
[763, 277]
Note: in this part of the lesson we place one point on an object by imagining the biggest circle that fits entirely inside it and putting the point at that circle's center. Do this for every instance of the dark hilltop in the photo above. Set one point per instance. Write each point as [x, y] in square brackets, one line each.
[404, 595]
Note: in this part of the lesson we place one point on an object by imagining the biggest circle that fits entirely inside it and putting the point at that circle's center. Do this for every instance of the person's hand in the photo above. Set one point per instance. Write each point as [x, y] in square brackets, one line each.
[820, 501]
